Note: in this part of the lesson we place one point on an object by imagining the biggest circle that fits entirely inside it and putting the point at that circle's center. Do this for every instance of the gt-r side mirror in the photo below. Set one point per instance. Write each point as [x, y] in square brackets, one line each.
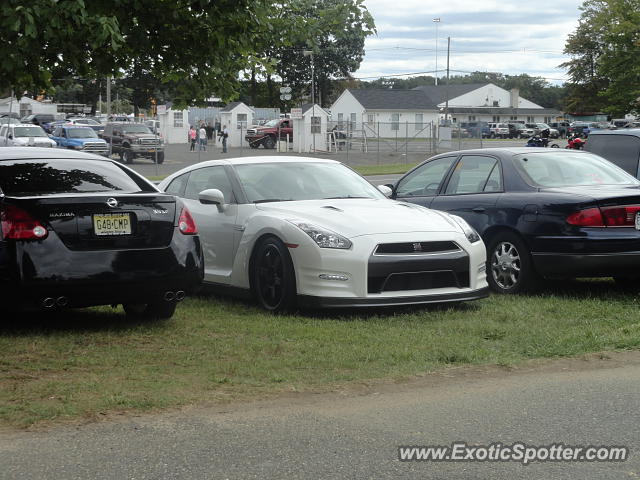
[212, 196]
[385, 190]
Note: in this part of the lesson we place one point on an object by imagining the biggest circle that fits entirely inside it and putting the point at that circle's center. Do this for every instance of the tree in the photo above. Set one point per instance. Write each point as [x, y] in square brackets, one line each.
[605, 51]
[199, 45]
[334, 30]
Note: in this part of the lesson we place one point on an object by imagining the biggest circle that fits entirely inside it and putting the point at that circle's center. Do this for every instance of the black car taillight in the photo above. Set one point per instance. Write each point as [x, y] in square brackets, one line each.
[590, 217]
[18, 224]
[186, 223]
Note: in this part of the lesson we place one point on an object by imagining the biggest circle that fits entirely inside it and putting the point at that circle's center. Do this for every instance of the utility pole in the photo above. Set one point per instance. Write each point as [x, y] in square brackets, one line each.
[436, 21]
[108, 96]
[446, 104]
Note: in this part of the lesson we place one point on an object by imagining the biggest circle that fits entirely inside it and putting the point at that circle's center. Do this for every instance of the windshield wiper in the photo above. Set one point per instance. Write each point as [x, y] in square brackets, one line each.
[266, 200]
[344, 196]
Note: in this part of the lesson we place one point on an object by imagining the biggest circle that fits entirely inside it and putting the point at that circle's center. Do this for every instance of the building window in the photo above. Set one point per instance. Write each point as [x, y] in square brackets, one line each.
[395, 121]
[353, 121]
[496, 118]
[472, 118]
[513, 117]
[419, 121]
[177, 119]
[371, 118]
[341, 121]
[315, 124]
[547, 120]
[241, 121]
[530, 120]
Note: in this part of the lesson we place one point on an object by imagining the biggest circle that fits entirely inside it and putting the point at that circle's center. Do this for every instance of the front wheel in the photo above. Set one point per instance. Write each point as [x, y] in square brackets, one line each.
[160, 158]
[127, 156]
[555, 145]
[269, 142]
[509, 266]
[273, 280]
[155, 310]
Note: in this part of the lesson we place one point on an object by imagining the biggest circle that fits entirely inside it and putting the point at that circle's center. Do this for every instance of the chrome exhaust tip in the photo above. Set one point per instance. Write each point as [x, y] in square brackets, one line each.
[62, 301]
[49, 302]
[169, 296]
[180, 295]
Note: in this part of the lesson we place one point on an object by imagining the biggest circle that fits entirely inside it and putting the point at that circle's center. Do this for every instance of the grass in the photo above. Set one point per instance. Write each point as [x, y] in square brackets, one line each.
[214, 350]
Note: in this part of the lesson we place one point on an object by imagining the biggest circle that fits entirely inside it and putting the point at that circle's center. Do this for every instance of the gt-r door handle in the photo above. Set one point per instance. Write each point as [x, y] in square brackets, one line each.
[239, 228]
[478, 209]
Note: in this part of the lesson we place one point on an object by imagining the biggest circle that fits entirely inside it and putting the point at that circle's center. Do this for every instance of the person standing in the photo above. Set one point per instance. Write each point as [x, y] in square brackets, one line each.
[224, 134]
[202, 136]
[192, 138]
[209, 129]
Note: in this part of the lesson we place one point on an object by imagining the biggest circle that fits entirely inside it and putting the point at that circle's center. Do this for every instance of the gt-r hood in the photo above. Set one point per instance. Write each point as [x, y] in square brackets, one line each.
[355, 217]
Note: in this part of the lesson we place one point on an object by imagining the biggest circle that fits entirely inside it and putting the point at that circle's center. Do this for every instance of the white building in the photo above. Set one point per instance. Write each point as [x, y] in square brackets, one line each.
[26, 106]
[236, 116]
[310, 130]
[174, 125]
[486, 102]
[385, 112]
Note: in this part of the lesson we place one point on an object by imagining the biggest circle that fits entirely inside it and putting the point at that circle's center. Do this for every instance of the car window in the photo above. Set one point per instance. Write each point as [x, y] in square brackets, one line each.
[623, 150]
[38, 177]
[426, 179]
[177, 185]
[209, 177]
[470, 175]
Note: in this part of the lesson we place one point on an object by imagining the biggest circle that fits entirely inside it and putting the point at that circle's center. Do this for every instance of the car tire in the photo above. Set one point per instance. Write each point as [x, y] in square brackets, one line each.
[273, 280]
[269, 142]
[628, 283]
[155, 310]
[127, 156]
[509, 266]
[160, 158]
[254, 144]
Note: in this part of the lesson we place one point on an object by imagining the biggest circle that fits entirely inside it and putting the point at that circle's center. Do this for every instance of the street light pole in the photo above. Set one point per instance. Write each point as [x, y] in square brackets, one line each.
[436, 21]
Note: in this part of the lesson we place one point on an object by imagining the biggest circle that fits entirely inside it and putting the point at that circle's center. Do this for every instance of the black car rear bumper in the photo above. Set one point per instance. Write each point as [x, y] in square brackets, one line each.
[587, 265]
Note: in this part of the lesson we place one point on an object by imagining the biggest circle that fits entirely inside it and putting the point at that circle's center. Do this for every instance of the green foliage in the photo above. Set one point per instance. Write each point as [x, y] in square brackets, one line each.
[605, 64]
[198, 45]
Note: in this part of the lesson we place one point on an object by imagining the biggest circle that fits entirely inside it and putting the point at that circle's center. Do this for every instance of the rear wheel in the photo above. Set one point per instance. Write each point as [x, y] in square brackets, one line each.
[628, 283]
[273, 280]
[156, 310]
[269, 142]
[509, 265]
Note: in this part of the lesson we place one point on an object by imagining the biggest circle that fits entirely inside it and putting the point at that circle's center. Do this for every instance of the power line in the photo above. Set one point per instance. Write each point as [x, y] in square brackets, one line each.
[520, 50]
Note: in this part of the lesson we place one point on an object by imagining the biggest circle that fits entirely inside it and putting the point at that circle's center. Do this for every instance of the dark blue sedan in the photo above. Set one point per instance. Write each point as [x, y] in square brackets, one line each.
[541, 212]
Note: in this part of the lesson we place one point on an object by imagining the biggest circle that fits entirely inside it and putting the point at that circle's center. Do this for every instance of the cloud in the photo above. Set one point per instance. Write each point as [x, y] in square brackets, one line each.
[491, 35]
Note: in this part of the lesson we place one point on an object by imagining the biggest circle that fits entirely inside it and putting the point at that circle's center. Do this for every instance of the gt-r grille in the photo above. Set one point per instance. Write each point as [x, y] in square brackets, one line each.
[94, 147]
[416, 248]
[397, 272]
[403, 281]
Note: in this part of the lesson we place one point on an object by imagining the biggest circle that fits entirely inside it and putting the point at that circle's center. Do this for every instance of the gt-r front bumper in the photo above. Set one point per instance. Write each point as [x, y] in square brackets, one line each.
[442, 267]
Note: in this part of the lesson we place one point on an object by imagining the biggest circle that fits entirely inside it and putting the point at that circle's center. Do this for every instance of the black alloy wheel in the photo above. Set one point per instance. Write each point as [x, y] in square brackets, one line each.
[509, 265]
[273, 278]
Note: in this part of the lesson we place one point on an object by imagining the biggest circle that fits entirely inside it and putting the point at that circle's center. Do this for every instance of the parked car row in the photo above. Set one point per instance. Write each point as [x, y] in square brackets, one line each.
[80, 230]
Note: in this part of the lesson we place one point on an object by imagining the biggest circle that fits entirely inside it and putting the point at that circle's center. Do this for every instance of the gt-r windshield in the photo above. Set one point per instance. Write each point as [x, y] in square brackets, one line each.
[568, 169]
[273, 182]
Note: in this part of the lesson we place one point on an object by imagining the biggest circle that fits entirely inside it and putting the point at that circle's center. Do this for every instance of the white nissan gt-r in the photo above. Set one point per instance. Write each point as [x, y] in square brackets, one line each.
[311, 232]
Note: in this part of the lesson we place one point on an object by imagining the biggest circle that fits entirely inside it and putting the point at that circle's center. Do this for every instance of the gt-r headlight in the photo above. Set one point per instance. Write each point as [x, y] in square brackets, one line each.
[468, 230]
[324, 237]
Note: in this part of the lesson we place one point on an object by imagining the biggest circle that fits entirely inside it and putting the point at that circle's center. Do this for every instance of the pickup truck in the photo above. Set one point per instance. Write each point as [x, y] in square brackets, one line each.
[268, 133]
[76, 137]
[131, 140]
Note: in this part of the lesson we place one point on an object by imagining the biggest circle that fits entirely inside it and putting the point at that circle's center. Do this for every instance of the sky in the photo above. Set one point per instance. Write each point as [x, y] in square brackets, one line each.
[510, 37]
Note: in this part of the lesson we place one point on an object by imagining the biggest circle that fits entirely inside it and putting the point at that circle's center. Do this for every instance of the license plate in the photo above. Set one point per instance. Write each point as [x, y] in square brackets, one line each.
[637, 220]
[112, 224]
[151, 150]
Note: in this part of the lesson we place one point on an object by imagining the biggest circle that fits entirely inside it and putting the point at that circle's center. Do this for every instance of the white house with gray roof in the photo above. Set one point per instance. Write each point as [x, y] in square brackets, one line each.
[385, 113]
[409, 112]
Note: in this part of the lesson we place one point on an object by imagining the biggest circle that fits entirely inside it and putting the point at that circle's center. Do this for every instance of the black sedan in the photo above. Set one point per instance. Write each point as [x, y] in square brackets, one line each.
[541, 212]
[80, 230]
